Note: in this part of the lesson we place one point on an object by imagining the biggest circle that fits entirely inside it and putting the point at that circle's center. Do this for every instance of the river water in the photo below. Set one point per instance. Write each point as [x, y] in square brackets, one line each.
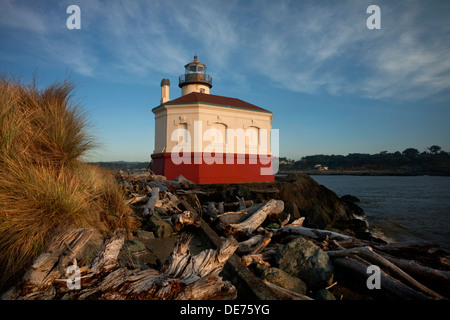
[400, 208]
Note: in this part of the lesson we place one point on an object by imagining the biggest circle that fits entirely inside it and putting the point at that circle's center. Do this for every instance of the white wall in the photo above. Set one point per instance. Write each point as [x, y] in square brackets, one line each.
[169, 117]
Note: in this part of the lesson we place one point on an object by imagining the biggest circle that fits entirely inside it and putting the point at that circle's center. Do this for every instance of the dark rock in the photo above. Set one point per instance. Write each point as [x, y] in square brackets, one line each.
[350, 202]
[303, 259]
[320, 206]
[349, 198]
[146, 235]
[355, 209]
[163, 229]
[243, 191]
[324, 294]
[291, 208]
[357, 228]
[281, 279]
[135, 246]
[160, 213]
[158, 223]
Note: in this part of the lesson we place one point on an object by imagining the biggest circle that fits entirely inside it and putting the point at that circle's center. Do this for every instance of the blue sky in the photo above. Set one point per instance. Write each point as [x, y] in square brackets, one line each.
[333, 85]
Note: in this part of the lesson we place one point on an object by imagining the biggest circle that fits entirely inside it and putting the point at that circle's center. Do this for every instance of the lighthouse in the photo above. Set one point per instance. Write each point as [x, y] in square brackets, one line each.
[209, 138]
[195, 78]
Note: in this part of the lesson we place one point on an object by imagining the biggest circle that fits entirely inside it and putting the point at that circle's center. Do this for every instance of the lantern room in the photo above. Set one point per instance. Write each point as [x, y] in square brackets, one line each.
[195, 78]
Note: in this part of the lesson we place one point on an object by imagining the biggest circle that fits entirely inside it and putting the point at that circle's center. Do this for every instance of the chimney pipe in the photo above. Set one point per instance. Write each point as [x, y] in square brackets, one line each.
[165, 84]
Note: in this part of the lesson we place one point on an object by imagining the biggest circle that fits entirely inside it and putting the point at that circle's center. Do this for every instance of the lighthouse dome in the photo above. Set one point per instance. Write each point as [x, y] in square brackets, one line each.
[195, 78]
[165, 82]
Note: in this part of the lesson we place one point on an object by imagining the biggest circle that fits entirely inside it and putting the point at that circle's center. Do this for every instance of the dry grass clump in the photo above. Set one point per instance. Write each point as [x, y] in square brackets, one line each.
[44, 184]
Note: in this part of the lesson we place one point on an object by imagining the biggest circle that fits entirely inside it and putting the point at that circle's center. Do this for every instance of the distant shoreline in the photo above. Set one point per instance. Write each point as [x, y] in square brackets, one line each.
[124, 165]
[442, 173]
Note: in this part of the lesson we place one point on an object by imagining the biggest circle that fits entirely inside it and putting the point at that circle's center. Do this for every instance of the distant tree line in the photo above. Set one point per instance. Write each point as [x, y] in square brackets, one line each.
[123, 165]
[434, 158]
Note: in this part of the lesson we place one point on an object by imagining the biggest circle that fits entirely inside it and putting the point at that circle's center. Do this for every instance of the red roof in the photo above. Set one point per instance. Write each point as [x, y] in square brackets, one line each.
[213, 99]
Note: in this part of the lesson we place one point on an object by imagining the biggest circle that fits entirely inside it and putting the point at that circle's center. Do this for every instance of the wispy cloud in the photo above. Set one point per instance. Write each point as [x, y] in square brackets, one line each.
[13, 15]
[307, 46]
[41, 34]
[411, 61]
[314, 48]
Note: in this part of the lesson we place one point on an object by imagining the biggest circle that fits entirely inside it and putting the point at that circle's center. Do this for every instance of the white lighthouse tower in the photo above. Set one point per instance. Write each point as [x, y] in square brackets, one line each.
[195, 78]
[224, 140]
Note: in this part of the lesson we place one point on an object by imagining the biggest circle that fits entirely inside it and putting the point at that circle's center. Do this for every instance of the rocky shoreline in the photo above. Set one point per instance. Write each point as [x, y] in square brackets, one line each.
[299, 264]
[291, 239]
[302, 197]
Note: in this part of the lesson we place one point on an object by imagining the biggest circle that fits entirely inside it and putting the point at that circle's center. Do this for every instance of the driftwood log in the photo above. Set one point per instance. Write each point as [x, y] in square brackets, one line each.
[137, 198]
[391, 285]
[142, 176]
[256, 219]
[255, 244]
[189, 217]
[368, 254]
[260, 258]
[310, 233]
[150, 206]
[286, 294]
[169, 203]
[212, 211]
[183, 276]
[37, 283]
[186, 218]
[355, 255]
[417, 269]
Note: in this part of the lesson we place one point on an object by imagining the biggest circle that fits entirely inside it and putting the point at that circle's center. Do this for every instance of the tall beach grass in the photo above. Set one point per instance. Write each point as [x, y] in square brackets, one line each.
[45, 186]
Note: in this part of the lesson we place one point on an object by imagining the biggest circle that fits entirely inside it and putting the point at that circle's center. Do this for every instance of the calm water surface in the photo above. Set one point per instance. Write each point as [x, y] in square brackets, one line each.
[400, 208]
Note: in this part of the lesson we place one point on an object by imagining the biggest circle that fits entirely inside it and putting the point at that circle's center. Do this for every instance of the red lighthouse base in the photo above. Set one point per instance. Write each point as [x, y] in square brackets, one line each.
[202, 168]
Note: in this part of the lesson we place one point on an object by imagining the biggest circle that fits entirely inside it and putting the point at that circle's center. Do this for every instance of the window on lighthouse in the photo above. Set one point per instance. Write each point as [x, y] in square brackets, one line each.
[219, 135]
[252, 139]
[182, 133]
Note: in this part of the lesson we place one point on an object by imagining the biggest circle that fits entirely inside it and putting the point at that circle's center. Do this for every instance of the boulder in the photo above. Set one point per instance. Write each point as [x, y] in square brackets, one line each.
[159, 224]
[303, 259]
[320, 206]
[162, 229]
[291, 208]
[281, 279]
[135, 246]
[324, 294]
[351, 206]
[349, 198]
[145, 235]
[356, 228]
